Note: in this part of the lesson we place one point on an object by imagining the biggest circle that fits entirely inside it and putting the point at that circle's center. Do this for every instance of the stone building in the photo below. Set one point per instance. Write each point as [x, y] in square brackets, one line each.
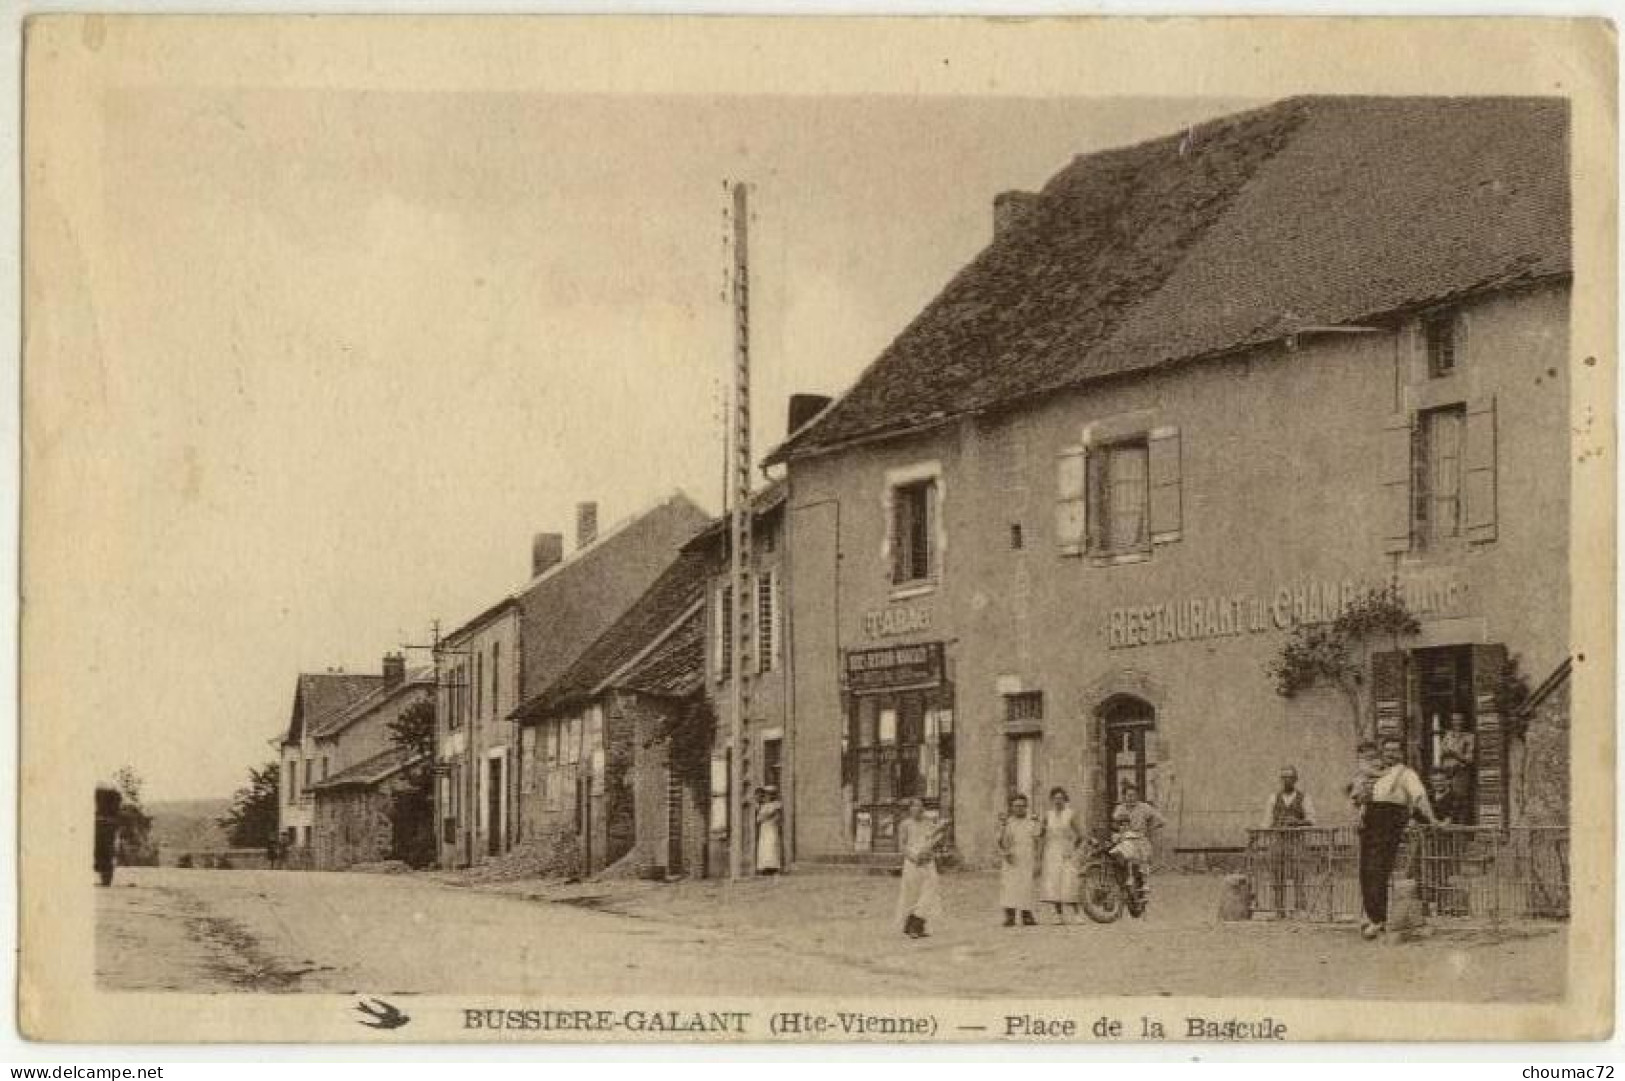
[317, 698]
[504, 658]
[361, 764]
[614, 752]
[1195, 393]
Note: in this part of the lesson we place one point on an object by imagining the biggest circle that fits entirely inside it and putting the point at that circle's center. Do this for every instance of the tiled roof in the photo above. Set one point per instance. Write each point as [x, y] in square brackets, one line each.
[320, 696]
[644, 628]
[378, 696]
[763, 502]
[676, 667]
[568, 609]
[1311, 212]
[372, 770]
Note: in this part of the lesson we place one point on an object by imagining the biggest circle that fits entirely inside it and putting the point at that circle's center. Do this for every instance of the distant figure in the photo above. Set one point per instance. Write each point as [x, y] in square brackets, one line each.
[1396, 794]
[1448, 807]
[1059, 875]
[919, 898]
[1289, 808]
[769, 832]
[273, 852]
[1458, 751]
[1019, 835]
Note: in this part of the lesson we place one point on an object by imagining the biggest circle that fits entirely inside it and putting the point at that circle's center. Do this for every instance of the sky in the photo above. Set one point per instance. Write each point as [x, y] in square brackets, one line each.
[361, 345]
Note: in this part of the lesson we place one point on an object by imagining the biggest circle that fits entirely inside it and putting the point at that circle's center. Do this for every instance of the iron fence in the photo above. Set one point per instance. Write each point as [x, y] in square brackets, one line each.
[1313, 873]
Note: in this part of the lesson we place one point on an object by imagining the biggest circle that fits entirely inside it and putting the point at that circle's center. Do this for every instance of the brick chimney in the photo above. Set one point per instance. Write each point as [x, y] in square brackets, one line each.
[546, 549]
[803, 408]
[586, 524]
[394, 668]
[1010, 208]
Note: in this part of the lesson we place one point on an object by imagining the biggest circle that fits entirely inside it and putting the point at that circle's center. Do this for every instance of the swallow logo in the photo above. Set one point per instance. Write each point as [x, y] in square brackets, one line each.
[380, 1015]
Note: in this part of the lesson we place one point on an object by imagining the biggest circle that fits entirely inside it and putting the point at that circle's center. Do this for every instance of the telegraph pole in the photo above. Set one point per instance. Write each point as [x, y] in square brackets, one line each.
[739, 539]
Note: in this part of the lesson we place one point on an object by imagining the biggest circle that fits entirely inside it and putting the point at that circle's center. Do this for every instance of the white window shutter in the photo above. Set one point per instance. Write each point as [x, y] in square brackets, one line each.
[1478, 471]
[1070, 502]
[1395, 477]
[1166, 510]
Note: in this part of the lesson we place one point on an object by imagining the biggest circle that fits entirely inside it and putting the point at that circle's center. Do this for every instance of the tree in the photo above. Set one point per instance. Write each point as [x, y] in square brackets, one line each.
[411, 812]
[1336, 654]
[252, 820]
[134, 823]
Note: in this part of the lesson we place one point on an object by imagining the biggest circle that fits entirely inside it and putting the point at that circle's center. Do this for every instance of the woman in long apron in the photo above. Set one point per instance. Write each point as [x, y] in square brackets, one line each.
[1058, 883]
[918, 898]
[769, 832]
[1018, 845]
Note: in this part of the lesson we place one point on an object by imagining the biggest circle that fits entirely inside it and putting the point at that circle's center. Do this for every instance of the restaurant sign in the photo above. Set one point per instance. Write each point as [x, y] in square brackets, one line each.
[1429, 595]
[894, 668]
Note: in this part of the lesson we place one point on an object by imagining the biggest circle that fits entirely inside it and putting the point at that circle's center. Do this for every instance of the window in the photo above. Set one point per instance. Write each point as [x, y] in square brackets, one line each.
[1437, 460]
[914, 512]
[479, 680]
[767, 620]
[455, 693]
[1439, 334]
[310, 771]
[1017, 542]
[1120, 497]
[290, 782]
[1024, 708]
[723, 653]
[496, 671]
[324, 767]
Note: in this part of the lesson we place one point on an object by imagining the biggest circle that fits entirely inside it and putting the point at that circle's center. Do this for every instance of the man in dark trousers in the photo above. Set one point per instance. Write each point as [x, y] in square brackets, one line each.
[1289, 809]
[1396, 794]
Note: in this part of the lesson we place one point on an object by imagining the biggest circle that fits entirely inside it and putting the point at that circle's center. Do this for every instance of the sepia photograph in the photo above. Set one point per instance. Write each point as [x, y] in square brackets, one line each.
[522, 545]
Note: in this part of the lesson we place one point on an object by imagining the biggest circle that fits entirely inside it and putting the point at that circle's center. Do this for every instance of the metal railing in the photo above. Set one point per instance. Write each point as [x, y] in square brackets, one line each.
[1313, 873]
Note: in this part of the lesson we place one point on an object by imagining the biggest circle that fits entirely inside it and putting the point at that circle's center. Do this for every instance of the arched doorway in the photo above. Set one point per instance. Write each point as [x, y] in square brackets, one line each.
[1127, 726]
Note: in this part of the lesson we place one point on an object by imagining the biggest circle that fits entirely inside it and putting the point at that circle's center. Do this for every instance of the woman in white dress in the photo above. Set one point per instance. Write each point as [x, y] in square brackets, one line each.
[1018, 845]
[769, 831]
[1058, 879]
[918, 898]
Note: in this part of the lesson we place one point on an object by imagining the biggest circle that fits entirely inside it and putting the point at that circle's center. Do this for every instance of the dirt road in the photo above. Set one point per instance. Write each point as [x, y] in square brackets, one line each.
[173, 929]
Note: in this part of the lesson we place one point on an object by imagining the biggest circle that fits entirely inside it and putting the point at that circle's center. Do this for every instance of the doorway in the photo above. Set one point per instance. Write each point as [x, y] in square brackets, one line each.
[1127, 726]
[494, 790]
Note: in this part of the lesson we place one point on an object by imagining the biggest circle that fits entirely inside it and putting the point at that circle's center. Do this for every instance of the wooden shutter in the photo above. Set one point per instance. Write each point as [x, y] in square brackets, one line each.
[1095, 498]
[1166, 510]
[1388, 693]
[1478, 471]
[1071, 490]
[1394, 462]
[1491, 752]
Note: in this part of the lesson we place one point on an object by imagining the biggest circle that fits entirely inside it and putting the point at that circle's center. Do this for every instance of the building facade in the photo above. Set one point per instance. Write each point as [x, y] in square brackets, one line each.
[1196, 394]
[360, 761]
[477, 743]
[318, 698]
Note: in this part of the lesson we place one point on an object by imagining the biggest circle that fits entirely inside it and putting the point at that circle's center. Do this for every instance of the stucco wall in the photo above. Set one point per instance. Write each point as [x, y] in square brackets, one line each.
[1281, 487]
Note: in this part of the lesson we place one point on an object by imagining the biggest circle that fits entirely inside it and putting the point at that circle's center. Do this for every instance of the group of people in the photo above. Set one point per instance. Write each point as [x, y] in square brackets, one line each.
[1040, 858]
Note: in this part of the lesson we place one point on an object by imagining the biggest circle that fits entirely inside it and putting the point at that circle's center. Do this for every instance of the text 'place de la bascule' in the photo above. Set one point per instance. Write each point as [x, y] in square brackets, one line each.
[1194, 394]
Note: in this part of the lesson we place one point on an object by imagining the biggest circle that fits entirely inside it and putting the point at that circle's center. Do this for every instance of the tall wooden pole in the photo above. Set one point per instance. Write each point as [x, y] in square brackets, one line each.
[739, 545]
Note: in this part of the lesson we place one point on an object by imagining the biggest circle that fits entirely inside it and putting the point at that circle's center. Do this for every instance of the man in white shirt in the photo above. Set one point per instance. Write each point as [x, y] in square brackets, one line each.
[1396, 794]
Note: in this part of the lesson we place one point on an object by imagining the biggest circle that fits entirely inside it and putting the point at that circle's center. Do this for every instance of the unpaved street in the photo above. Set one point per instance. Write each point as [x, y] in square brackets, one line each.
[288, 931]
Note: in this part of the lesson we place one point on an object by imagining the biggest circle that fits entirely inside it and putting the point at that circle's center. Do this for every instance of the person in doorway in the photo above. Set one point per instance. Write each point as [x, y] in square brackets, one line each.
[1458, 750]
[1288, 810]
[769, 831]
[1062, 835]
[919, 899]
[1018, 846]
[1448, 808]
[1396, 795]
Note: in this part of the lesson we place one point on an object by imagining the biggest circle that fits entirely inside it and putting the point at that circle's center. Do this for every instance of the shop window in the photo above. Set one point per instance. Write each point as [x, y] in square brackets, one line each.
[1439, 334]
[1437, 486]
[901, 747]
[914, 555]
